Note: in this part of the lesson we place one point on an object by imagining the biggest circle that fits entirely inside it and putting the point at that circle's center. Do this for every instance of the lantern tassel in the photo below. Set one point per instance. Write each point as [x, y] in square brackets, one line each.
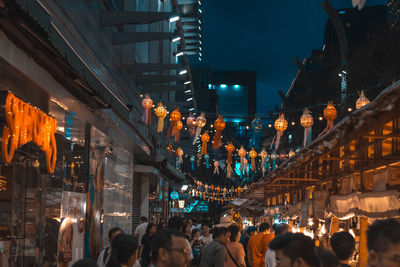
[206, 156]
[277, 139]
[160, 124]
[198, 132]
[180, 161]
[253, 164]
[204, 148]
[217, 140]
[241, 163]
[228, 170]
[329, 126]
[177, 135]
[307, 131]
[170, 149]
[216, 168]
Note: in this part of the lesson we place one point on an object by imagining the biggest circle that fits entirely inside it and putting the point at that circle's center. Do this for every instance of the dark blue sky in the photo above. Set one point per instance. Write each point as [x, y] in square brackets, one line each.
[265, 36]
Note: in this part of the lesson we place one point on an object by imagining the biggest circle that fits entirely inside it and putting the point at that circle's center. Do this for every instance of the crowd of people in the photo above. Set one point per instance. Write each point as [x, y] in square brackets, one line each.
[180, 243]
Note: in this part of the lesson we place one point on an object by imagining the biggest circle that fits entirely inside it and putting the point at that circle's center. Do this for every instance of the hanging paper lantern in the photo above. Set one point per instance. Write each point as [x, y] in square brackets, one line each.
[362, 100]
[216, 167]
[200, 123]
[212, 187]
[179, 153]
[191, 124]
[306, 121]
[204, 138]
[263, 155]
[282, 156]
[170, 149]
[253, 155]
[230, 148]
[192, 160]
[161, 113]
[147, 104]
[274, 157]
[173, 129]
[291, 153]
[242, 153]
[207, 157]
[246, 170]
[257, 127]
[219, 126]
[330, 114]
[280, 125]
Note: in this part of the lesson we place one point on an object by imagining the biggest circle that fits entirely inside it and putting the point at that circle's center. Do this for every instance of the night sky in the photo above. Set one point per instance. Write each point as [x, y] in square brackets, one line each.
[264, 36]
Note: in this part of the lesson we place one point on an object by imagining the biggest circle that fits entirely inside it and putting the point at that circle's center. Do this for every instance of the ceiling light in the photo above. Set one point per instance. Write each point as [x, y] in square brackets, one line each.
[189, 99]
[191, 109]
[182, 72]
[187, 82]
[200, 48]
[173, 19]
[200, 10]
[188, 91]
[184, 187]
[179, 54]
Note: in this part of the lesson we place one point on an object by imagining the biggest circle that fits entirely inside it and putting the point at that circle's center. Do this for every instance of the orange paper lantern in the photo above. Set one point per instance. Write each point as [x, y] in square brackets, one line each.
[204, 138]
[219, 125]
[253, 155]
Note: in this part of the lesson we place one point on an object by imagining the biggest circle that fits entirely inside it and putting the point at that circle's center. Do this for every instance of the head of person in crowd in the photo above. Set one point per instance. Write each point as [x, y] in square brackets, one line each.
[205, 229]
[234, 229]
[151, 229]
[294, 250]
[85, 263]
[222, 235]
[113, 232]
[281, 229]
[264, 227]
[143, 219]
[186, 228]
[343, 245]
[195, 233]
[190, 221]
[175, 223]
[124, 250]
[170, 249]
[251, 230]
[327, 258]
[161, 225]
[383, 241]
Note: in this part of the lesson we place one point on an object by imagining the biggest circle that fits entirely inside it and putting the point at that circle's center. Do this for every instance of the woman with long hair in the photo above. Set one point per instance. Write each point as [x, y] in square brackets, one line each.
[145, 248]
[123, 251]
[196, 243]
[235, 255]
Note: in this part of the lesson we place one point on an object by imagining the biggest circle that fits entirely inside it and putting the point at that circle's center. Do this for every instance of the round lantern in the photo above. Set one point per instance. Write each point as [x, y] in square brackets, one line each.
[281, 124]
[161, 113]
[291, 153]
[306, 119]
[179, 125]
[330, 112]
[179, 153]
[253, 155]
[219, 125]
[282, 156]
[147, 104]
[362, 100]
[242, 154]
[274, 156]
[190, 122]
[212, 187]
[175, 115]
[263, 155]
[200, 123]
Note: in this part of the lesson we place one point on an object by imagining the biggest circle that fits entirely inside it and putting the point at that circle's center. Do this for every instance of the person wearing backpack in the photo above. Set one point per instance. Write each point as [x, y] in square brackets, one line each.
[104, 255]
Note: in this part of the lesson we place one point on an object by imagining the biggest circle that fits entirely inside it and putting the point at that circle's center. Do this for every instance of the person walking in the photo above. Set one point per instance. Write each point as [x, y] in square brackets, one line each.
[258, 246]
[145, 247]
[206, 236]
[383, 241]
[141, 229]
[196, 244]
[123, 251]
[235, 249]
[214, 253]
[104, 255]
[344, 247]
[280, 229]
[171, 249]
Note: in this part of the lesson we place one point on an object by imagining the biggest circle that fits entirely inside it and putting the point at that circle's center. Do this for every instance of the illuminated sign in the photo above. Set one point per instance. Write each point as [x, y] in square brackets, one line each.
[174, 195]
[26, 123]
[181, 204]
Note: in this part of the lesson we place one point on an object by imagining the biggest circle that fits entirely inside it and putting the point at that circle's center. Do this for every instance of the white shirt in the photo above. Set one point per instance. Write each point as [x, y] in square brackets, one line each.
[207, 239]
[270, 260]
[100, 259]
[141, 231]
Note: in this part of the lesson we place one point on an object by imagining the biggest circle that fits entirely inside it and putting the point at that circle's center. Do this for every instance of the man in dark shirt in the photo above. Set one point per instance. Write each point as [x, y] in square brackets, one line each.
[214, 254]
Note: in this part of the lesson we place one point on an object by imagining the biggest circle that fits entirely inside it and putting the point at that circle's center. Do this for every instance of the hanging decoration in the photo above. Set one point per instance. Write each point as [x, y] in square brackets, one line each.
[173, 128]
[263, 155]
[242, 153]
[362, 100]
[192, 160]
[219, 126]
[307, 122]
[170, 149]
[161, 113]
[274, 157]
[207, 158]
[291, 153]
[204, 138]
[216, 167]
[280, 125]
[200, 123]
[230, 148]
[245, 162]
[257, 127]
[330, 114]
[147, 104]
[179, 126]
[282, 156]
[191, 124]
[358, 3]
[179, 153]
[199, 159]
[253, 155]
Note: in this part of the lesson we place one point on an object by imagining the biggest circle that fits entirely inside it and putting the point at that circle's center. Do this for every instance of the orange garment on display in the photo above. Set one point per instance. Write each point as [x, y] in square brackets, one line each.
[257, 247]
[26, 123]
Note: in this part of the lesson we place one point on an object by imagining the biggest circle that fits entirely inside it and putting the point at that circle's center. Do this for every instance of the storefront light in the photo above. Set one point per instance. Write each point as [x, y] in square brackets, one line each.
[184, 187]
[176, 39]
[173, 19]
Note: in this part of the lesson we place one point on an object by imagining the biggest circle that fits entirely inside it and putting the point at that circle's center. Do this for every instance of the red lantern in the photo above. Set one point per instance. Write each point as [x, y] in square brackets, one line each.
[219, 125]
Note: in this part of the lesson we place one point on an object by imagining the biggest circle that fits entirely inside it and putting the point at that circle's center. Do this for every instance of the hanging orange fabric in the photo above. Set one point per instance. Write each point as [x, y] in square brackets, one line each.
[219, 126]
[204, 138]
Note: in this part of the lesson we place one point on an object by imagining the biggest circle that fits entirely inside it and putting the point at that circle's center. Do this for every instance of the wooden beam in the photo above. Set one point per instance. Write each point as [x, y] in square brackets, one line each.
[148, 79]
[108, 18]
[161, 88]
[382, 136]
[138, 37]
[296, 179]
